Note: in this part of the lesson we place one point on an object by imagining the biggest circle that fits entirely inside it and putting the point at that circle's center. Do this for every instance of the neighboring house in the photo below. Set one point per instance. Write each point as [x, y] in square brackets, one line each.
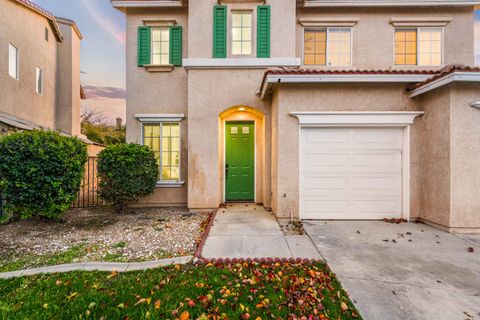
[39, 70]
[317, 109]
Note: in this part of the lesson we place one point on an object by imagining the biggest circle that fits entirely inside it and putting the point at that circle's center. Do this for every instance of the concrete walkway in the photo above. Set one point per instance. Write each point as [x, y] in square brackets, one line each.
[98, 266]
[249, 231]
[402, 271]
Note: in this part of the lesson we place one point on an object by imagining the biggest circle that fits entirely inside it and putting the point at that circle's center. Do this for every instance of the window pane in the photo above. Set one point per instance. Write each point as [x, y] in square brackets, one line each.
[39, 81]
[242, 32]
[339, 46]
[175, 129]
[405, 46]
[430, 46]
[315, 47]
[160, 46]
[12, 61]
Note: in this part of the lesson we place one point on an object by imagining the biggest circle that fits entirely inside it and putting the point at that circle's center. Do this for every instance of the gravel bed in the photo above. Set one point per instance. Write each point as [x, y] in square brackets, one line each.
[142, 234]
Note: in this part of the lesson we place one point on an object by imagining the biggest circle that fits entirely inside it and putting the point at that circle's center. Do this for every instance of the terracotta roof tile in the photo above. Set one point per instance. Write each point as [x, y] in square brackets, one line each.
[443, 73]
[302, 71]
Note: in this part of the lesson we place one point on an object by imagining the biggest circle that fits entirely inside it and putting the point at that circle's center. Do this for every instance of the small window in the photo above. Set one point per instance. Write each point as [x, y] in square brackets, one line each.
[328, 46]
[160, 46]
[13, 61]
[241, 32]
[39, 81]
[46, 34]
[419, 46]
[164, 140]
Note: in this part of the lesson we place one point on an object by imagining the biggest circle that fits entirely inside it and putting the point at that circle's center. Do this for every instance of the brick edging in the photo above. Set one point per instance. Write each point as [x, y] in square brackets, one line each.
[205, 234]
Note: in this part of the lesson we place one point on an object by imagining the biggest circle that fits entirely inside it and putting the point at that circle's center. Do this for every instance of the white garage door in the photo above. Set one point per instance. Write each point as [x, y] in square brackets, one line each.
[351, 173]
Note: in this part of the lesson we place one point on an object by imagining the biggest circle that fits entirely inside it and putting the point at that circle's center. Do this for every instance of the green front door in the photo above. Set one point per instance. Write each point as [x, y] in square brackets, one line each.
[240, 161]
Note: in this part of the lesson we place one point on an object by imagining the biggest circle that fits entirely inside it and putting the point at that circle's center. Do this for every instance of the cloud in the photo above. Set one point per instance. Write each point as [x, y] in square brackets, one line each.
[106, 23]
[99, 93]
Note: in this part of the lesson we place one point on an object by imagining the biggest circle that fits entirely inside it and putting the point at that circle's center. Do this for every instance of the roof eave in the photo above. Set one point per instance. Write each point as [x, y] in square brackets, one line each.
[457, 76]
[272, 79]
[380, 3]
[123, 4]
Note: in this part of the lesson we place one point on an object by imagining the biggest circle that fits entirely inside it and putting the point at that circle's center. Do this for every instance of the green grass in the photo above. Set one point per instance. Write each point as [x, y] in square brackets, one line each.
[265, 291]
[32, 261]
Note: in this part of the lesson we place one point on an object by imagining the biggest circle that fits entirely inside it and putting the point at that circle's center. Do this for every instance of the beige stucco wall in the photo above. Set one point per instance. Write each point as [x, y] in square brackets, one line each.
[282, 26]
[155, 93]
[58, 107]
[205, 105]
[68, 81]
[434, 173]
[26, 31]
[337, 97]
[373, 35]
[465, 153]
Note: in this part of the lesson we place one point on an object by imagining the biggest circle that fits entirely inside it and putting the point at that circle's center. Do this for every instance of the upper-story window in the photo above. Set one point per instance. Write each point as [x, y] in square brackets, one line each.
[13, 61]
[160, 46]
[419, 46]
[241, 32]
[328, 46]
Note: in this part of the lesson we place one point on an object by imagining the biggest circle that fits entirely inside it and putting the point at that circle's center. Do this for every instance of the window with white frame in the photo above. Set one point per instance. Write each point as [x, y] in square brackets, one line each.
[13, 61]
[419, 46]
[160, 46]
[328, 46]
[39, 80]
[164, 140]
[242, 32]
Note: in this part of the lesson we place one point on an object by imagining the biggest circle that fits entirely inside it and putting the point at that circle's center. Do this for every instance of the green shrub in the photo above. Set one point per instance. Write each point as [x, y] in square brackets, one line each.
[41, 172]
[127, 172]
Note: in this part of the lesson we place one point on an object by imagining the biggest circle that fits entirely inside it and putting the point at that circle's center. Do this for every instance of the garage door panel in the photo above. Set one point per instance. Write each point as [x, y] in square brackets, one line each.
[351, 173]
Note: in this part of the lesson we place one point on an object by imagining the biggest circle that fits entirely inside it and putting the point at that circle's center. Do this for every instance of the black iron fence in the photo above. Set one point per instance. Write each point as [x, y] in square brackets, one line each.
[88, 194]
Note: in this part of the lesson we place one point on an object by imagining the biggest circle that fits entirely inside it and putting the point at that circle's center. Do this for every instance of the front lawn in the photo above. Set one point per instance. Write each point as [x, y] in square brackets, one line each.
[252, 290]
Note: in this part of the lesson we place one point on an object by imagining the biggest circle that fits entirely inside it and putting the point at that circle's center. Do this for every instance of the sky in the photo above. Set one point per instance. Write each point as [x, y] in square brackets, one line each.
[103, 51]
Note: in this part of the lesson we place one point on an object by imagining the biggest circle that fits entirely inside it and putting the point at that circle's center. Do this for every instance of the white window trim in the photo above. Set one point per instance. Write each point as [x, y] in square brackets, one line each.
[39, 92]
[326, 48]
[17, 60]
[418, 46]
[365, 119]
[159, 119]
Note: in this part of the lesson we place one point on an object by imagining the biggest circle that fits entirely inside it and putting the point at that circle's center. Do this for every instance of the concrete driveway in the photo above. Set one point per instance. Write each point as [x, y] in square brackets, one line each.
[402, 271]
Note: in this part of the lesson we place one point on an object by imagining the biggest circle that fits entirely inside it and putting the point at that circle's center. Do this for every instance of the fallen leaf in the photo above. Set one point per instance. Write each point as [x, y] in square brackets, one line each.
[470, 249]
[113, 274]
[157, 304]
[73, 295]
[185, 315]
[141, 301]
[344, 306]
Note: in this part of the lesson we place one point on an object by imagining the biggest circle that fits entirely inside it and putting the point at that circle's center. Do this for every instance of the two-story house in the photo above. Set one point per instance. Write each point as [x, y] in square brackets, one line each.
[316, 109]
[39, 69]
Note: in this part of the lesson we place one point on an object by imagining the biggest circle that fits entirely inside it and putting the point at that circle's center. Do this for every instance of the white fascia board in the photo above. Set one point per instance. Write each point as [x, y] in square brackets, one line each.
[251, 63]
[456, 76]
[383, 3]
[142, 4]
[329, 78]
[355, 118]
[165, 117]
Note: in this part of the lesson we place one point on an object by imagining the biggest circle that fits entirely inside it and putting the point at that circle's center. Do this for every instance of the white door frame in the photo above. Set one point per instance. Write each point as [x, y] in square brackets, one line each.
[358, 120]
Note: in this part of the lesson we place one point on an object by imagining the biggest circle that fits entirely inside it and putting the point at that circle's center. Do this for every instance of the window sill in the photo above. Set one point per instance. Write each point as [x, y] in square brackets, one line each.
[170, 184]
[159, 68]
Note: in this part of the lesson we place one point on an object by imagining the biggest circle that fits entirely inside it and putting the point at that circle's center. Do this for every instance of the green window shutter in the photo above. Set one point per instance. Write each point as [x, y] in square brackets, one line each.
[220, 32]
[176, 46]
[263, 32]
[144, 54]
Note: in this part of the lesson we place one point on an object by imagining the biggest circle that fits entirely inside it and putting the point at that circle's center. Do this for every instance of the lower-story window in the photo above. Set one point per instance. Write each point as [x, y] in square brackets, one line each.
[164, 140]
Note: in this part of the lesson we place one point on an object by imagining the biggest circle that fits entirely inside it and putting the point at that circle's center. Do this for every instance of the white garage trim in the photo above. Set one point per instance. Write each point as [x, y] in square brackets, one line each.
[363, 119]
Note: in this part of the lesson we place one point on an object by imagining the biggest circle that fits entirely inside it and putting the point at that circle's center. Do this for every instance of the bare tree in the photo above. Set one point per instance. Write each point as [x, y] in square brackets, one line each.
[92, 116]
